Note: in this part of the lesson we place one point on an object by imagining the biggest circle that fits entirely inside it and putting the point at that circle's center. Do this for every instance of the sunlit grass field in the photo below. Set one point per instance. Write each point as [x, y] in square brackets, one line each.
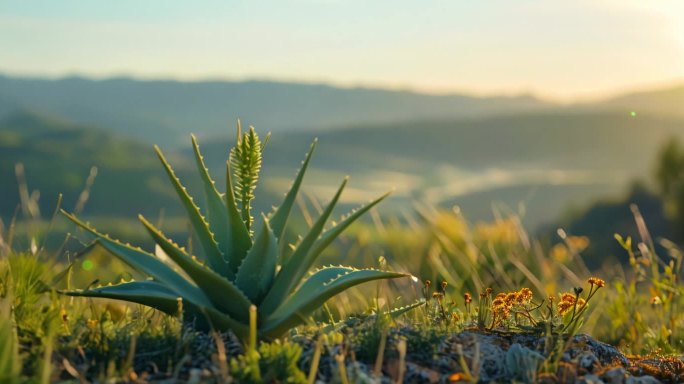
[491, 279]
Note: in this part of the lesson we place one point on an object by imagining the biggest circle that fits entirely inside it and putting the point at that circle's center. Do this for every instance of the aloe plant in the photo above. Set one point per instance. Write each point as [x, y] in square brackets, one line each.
[240, 267]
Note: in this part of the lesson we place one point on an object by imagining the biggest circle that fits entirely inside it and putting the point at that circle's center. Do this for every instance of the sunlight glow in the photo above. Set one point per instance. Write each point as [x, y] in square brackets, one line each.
[588, 49]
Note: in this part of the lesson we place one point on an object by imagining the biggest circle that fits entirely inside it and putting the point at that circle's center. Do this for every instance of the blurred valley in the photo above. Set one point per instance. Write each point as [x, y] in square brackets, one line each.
[552, 165]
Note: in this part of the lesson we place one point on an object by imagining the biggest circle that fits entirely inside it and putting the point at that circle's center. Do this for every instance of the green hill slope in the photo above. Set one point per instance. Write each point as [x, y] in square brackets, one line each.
[57, 157]
[545, 161]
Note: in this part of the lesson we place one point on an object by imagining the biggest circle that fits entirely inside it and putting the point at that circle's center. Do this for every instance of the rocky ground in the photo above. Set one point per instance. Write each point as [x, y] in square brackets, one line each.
[502, 357]
[419, 356]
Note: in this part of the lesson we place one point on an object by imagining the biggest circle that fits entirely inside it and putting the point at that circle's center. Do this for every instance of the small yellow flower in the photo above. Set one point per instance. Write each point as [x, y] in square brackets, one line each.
[501, 312]
[511, 298]
[581, 303]
[597, 282]
[567, 302]
[468, 298]
[526, 294]
[567, 296]
[564, 307]
[498, 302]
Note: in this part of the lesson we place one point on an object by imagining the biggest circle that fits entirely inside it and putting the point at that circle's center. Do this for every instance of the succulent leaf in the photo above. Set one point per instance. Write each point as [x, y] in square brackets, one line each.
[220, 291]
[279, 218]
[256, 273]
[146, 263]
[294, 269]
[331, 234]
[148, 292]
[396, 312]
[206, 238]
[240, 236]
[217, 213]
[323, 276]
[311, 296]
[156, 295]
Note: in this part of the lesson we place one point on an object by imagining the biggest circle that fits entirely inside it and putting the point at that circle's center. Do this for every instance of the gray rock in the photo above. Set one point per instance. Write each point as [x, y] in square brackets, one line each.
[606, 353]
[588, 361]
[589, 379]
[642, 380]
[615, 375]
[490, 355]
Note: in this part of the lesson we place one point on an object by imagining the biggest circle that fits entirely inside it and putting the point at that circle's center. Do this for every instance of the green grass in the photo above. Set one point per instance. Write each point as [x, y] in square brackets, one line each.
[52, 337]
[475, 286]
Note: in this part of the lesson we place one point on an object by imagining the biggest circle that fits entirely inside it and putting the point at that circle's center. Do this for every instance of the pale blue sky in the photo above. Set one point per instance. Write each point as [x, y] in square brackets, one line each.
[565, 49]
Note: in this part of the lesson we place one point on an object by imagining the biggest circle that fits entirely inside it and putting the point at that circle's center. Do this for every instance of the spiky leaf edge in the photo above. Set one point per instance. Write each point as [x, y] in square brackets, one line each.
[295, 310]
[223, 294]
[231, 235]
[213, 254]
[145, 263]
[297, 265]
[278, 219]
[290, 277]
[256, 273]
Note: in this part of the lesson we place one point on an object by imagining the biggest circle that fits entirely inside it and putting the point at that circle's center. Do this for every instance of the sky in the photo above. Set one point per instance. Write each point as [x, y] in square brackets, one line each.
[559, 49]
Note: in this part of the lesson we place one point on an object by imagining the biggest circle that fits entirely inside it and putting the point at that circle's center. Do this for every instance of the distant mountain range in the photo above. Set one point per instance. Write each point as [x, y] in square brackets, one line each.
[441, 150]
[165, 111]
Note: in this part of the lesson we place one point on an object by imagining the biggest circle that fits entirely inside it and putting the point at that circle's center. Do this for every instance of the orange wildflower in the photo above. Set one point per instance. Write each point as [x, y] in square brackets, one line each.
[597, 282]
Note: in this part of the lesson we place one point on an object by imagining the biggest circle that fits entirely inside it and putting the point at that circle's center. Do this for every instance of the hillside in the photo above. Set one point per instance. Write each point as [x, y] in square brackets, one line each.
[164, 111]
[57, 157]
[546, 161]
[665, 102]
[566, 140]
[443, 150]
